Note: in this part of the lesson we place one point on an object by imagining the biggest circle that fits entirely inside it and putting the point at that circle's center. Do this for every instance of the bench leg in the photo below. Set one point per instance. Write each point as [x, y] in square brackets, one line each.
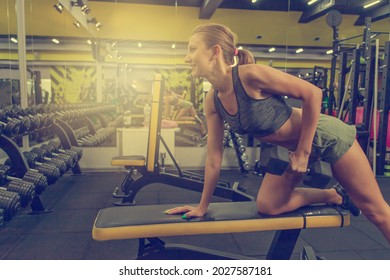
[283, 244]
[156, 249]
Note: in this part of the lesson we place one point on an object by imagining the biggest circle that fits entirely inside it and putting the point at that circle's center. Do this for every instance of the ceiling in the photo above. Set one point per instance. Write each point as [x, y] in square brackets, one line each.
[309, 12]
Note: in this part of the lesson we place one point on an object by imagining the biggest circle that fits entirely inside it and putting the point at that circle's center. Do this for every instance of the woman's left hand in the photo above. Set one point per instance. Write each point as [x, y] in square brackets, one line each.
[298, 163]
[187, 211]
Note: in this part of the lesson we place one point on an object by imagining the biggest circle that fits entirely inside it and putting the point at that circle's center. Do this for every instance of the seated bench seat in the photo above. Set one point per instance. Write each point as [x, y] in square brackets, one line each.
[128, 161]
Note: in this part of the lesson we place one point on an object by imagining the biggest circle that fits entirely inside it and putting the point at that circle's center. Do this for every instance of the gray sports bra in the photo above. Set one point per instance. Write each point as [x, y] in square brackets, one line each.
[258, 117]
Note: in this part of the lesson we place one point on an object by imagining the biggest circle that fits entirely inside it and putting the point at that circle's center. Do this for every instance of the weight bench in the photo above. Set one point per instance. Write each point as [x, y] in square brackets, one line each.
[148, 222]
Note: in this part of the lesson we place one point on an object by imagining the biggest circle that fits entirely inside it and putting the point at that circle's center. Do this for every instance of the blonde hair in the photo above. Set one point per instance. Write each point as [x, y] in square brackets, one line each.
[218, 34]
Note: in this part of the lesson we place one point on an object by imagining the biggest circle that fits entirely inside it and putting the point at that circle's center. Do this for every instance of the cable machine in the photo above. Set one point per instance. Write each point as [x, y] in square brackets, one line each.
[356, 88]
[383, 108]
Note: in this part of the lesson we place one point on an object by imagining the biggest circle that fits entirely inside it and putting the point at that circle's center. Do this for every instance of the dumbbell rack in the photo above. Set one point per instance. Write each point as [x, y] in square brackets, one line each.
[21, 167]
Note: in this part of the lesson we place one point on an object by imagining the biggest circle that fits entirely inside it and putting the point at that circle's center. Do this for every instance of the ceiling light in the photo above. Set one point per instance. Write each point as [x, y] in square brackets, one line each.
[254, 1]
[272, 50]
[329, 52]
[79, 3]
[371, 4]
[89, 42]
[98, 25]
[85, 10]
[173, 46]
[299, 50]
[139, 44]
[58, 7]
[77, 24]
[311, 2]
[14, 40]
[55, 41]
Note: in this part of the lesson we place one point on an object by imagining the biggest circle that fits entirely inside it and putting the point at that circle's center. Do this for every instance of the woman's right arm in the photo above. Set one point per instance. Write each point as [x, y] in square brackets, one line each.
[213, 160]
[214, 152]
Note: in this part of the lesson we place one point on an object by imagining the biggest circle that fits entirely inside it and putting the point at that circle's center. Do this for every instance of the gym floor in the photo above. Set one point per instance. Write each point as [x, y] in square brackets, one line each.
[65, 233]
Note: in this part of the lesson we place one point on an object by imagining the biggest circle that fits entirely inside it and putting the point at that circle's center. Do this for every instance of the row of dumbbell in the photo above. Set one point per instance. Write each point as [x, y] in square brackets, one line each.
[15, 192]
[95, 140]
[43, 170]
[73, 106]
[47, 164]
[15, 121]
[77, 114]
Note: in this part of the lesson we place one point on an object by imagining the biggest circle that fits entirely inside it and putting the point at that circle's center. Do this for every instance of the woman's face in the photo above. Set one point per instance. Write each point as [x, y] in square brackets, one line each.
[198, 56]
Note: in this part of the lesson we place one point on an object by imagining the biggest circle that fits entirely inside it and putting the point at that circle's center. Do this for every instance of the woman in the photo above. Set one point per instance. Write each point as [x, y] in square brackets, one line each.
[250, 98]
[185, 110]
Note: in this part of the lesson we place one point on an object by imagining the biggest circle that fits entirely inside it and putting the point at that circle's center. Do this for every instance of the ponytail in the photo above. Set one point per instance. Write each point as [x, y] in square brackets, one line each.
[245, 57]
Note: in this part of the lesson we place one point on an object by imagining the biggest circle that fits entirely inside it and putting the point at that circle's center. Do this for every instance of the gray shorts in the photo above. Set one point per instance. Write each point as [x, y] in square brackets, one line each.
[332, 139]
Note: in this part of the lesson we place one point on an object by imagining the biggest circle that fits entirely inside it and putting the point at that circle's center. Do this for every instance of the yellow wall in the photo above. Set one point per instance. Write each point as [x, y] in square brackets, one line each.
[123, 21]
[164, 23]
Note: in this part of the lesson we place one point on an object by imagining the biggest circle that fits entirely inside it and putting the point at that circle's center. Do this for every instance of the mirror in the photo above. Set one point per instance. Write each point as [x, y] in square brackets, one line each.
[111, 64]
[107, 58]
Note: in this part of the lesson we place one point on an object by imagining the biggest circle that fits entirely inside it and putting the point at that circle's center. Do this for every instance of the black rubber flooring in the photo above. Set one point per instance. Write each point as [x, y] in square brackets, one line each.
[65, 233]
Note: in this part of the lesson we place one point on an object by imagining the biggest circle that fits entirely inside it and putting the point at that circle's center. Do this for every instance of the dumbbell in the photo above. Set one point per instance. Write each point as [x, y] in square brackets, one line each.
[50, 153]
[36, 178]
[71, 151]
[10, 126]
[275, 160]
[35, 121]
[51, 172]
[318, 175]
[10, 203]
[88, 141]
[41, 157]
[26, 191]
[25, 124]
